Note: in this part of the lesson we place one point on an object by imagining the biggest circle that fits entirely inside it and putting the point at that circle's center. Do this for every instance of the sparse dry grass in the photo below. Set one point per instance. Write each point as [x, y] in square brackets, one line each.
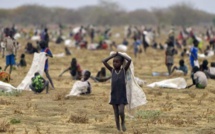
[81, 118]
[182, 111]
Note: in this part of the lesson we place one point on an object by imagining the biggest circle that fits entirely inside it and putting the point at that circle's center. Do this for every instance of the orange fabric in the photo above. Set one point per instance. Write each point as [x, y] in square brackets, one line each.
[5, 77]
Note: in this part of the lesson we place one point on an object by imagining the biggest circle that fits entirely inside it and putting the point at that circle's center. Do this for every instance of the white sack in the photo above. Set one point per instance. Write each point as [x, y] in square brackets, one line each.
[176, 83]
[69, 43]
[78, 88]
[6, 87]
[122, 48]
[135, 95]
[37, 65]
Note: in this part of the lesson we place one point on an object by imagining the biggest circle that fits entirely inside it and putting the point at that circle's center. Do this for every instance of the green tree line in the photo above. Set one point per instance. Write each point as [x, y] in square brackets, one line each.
[106, 13]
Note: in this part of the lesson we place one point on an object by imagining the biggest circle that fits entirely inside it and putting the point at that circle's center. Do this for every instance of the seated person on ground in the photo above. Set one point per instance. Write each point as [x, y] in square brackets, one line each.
[182, 67]
[85, 78]
[210, 73]
[67, 51]
[204, 65]
[30, 49]
[82, 87]
[207, 50]
[75, 70]
[199, 78]
[101, 76]
[83, 44]
[184, 53]
[22, 62]
[39, 83]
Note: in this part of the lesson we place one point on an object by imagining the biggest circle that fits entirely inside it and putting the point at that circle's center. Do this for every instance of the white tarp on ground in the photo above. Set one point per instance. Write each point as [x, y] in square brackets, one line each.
[135, 95]
[176, 83]
[210, 54]
[78, 88]
[36, 66]
[6, 87]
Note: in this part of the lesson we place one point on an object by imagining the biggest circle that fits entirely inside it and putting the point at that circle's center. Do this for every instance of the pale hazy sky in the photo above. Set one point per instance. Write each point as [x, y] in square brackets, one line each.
[207, 5]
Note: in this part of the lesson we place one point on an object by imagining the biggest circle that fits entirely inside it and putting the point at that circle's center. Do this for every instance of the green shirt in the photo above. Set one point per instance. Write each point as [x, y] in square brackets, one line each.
[38, 82]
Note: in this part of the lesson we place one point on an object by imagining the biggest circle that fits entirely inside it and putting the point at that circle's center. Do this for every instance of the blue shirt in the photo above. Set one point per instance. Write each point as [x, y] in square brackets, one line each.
[183, 68]
[193, 55]
[48, 51]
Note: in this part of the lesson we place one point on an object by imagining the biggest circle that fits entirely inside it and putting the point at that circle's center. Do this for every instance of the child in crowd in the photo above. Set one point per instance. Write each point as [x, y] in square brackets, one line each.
[39, 83]
[75, 70]
[184, 53]
[30, 49]
[125, 42]
[10, 46]
[136, 45]
[22, 62]
[67, 51]
[169, 58]
[118, 87]
[101, 76]
[194, 54]
[48, 52]
[210, 73]
[82, 87]
[199, 78]
[204, 66]
[85, 78]
[181, 67]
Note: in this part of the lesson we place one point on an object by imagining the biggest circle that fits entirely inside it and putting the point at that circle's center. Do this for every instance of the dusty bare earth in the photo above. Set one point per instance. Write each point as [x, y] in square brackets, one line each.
[168, 111]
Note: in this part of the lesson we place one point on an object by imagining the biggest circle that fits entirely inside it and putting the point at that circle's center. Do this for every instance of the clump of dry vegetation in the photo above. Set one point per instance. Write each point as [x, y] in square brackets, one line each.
[6, 128]
[4, 102]
[79, 118]
[60, 96]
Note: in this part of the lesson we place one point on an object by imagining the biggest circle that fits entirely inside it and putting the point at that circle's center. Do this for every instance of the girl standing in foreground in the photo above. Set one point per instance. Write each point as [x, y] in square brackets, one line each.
[118, 87]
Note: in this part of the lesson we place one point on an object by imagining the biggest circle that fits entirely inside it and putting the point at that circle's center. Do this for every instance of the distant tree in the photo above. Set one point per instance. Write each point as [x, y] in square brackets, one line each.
[105, 13]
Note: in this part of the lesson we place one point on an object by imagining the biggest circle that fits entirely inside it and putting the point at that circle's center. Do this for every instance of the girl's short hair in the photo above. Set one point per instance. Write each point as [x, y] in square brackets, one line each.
[120, 58]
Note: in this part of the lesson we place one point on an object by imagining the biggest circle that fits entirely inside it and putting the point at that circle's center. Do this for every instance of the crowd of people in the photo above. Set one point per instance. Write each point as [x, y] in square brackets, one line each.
[141, 37]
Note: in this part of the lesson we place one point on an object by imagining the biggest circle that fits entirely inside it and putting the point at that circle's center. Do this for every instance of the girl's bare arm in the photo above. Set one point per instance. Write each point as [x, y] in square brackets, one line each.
[128, 61]
[105, 62]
